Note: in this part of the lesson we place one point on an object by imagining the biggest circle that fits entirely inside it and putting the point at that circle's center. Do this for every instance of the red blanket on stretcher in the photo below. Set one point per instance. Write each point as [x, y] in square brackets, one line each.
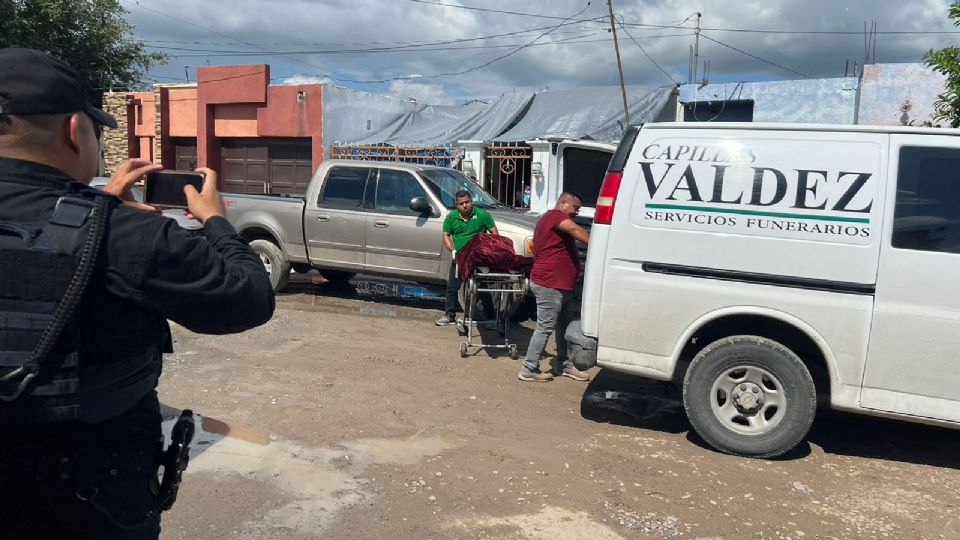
[492, 251]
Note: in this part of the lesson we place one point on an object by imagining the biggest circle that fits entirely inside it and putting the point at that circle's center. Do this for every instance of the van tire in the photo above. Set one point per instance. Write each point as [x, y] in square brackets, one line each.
[277, 266]
[736, 387]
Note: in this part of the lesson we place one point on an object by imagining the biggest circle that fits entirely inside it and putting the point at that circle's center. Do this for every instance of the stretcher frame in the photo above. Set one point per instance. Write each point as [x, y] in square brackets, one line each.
[502, 284]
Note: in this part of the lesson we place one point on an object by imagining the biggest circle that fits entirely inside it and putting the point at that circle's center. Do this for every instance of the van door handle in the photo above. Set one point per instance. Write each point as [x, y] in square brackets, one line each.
[381, 224]
[323, 217]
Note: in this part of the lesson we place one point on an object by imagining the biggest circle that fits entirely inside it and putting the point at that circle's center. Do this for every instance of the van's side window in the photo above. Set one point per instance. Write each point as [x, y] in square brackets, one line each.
[345, 188]
[927, 215]
[395, 190]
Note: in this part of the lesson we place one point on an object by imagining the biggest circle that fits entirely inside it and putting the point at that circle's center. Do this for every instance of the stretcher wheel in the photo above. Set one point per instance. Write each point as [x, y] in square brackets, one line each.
[463, 350]
[514, 353]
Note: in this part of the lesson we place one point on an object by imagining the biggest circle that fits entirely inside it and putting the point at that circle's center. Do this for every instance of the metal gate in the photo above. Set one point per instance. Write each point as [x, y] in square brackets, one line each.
[508, 173]
[441, 156]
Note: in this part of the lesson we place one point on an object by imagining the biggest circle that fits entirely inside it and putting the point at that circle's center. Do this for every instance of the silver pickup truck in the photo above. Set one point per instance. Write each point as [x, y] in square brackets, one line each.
[363, 216]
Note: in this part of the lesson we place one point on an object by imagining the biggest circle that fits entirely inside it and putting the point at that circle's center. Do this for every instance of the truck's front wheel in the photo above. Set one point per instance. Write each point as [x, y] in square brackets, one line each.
[749, 396]
[274, 262]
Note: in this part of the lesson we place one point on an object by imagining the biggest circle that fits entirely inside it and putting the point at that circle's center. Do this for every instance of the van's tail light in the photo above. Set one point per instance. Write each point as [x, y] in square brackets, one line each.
[608, 198]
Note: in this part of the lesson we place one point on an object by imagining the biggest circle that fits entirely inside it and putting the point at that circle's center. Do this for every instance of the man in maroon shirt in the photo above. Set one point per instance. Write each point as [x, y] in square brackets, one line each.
[556, 266]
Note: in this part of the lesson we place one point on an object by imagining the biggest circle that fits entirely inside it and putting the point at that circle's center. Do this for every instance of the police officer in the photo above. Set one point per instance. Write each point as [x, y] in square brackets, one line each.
[79, 414]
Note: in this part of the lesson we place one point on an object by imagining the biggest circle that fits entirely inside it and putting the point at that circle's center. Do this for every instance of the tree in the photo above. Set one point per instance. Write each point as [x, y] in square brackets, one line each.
[947, 62]
[91, 35]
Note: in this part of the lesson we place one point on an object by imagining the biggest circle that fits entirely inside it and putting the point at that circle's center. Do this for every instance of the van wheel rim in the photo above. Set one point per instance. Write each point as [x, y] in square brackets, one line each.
[748, 400]
[266, 263]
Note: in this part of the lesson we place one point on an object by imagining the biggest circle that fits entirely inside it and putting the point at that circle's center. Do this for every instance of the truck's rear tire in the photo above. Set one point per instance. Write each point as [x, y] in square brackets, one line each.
[275, 263]
[749, 396]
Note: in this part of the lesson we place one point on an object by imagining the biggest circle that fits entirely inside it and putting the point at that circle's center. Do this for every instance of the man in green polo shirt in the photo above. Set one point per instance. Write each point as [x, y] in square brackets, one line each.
[460, 226]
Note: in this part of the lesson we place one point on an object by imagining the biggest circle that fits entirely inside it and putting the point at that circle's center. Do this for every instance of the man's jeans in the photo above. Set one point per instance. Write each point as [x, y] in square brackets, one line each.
[553, 314]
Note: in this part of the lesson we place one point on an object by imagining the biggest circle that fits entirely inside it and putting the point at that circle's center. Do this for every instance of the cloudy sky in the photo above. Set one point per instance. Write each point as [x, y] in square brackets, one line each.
[449, 51]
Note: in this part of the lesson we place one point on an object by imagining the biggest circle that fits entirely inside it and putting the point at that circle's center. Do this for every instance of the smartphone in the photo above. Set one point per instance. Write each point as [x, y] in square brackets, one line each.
[164, 189]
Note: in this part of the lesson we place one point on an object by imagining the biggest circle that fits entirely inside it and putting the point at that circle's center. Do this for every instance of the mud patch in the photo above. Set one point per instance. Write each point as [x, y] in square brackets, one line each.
[407, 451]
[551, 523]
[317, 483]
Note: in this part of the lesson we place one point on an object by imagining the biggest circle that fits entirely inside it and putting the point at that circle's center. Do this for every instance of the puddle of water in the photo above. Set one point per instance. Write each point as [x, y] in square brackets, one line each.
[386, 289]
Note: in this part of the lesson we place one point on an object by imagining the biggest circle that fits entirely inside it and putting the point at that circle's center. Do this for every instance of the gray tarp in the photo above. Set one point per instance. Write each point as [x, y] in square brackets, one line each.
[587, 113]
[349, 115]
[439, 125]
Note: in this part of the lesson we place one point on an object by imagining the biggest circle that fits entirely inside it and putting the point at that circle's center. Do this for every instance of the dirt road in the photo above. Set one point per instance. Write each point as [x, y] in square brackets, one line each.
[354, 419]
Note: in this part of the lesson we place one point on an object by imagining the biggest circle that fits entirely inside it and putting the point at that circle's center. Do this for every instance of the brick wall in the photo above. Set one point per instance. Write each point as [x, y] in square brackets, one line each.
[116, 145]
[157, 141]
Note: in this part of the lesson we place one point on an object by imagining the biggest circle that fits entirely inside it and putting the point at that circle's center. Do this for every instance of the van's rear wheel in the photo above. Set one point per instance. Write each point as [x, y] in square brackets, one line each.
[274, 262]
[749, 396]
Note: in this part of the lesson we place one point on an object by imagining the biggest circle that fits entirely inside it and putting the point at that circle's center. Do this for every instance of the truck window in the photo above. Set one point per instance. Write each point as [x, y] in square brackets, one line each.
[345, 188]
[394, 191]
[927, 214]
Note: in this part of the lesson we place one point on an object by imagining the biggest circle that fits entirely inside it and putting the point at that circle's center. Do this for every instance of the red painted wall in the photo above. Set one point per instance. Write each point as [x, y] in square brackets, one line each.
[225, 99]
[294, 111]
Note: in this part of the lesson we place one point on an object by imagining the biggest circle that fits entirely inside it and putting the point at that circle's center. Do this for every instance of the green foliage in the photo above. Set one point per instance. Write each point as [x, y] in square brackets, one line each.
[947, 62]
[90, 35]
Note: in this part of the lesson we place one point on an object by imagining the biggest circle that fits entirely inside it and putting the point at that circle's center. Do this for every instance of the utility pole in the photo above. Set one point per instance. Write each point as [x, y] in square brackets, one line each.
[186, 72]
[696, 48]
[616, 47]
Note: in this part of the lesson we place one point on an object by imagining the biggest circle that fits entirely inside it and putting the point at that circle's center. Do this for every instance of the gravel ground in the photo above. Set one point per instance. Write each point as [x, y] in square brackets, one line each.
[346, 418]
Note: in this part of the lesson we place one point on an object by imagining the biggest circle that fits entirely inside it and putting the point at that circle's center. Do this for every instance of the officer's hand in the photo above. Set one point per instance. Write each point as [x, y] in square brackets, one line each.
[208, 202]
[127, 174]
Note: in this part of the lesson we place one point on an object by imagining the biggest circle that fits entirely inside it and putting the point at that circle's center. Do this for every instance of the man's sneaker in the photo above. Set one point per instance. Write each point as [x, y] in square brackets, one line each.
[446, 320]
[534, 376]
[573, 373]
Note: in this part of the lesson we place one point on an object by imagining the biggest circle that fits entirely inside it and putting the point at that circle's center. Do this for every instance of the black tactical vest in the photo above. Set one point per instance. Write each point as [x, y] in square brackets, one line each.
[45, 268]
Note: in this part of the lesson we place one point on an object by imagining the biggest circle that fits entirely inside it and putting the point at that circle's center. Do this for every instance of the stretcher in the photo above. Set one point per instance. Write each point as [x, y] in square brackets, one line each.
[508, 290]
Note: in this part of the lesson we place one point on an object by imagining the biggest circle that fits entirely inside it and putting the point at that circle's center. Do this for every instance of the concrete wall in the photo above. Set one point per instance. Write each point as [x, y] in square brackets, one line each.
[826, 101]
[898, 94]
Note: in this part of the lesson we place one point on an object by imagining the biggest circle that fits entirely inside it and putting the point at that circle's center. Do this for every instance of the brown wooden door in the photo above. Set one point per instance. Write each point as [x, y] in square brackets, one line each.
[265, 165]
[291, 166]
[244, 166]
[185, 153]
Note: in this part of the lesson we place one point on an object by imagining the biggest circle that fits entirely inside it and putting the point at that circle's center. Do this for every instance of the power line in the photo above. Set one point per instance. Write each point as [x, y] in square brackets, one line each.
[423, 46]
[500, 11]
[200, 53]
[741, 51]
[485, 64]
[137, 3]
[648, 25]
[644, 51]
[517, 33]
[823, 32]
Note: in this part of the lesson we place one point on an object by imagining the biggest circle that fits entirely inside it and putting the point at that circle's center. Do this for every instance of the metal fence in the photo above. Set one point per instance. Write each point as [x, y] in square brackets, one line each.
[440, 156]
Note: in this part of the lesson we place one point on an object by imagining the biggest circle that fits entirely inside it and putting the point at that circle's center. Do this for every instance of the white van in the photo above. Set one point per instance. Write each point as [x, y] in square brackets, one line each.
[766, 265]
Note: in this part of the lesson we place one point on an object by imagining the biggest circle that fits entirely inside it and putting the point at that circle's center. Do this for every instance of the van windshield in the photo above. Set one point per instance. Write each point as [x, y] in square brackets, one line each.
[445, 183]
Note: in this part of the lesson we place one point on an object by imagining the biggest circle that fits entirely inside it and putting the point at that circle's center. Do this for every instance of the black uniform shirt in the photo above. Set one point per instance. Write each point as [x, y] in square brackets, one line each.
[149, 270]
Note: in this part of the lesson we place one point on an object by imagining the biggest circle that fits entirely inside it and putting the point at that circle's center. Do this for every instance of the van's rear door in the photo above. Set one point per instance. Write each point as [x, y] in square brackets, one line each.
[913, 364]
[581, 166]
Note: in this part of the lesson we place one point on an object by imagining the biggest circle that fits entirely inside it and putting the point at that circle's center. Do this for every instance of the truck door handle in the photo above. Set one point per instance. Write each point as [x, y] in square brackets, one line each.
[323, 218]
[381, 224]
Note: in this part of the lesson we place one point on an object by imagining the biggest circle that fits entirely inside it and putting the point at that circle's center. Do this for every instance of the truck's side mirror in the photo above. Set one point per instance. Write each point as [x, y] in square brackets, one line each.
[421, 205]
